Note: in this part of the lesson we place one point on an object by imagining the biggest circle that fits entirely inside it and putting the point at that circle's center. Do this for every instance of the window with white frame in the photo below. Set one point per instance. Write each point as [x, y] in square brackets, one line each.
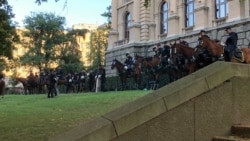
[127, 24]
[189, 13]
[164, 18]
[221, 10]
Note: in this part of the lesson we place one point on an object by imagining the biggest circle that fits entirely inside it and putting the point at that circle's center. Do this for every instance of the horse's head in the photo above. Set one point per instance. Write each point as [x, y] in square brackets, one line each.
[214, 48]
[203, 41]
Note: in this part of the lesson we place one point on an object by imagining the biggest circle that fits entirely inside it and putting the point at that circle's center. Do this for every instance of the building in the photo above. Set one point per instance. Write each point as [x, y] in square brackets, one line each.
[84, 43]
[136, 28]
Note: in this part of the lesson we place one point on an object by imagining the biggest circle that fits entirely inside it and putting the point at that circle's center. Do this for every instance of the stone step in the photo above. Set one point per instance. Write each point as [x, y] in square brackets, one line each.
[229, 138]
[241, 130]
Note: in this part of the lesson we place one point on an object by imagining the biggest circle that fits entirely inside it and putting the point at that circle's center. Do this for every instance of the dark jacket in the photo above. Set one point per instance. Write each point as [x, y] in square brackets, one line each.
[231, 41]
[128, 61]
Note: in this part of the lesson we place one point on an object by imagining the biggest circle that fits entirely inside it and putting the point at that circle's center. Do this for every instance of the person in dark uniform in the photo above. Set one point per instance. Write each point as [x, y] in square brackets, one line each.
[165, 54]
[52, 84]
[128, 63]
[182, 41]
[231, 44]
[91, 80]
[60, 73]
[102, 72]
[203, 33]
[158, 50]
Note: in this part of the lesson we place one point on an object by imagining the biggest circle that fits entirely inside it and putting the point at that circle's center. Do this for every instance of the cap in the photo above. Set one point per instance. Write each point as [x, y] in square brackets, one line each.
[154, 48]
[228, 28]
[127, 54]
[202, 31]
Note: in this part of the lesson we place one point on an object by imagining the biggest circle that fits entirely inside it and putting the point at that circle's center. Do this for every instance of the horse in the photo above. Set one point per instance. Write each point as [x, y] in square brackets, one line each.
[124, 75]
[2, 86]
[151, 66]
[33, 84]
[185, 57]
[215, 51]
[24, 82]
[242, 56]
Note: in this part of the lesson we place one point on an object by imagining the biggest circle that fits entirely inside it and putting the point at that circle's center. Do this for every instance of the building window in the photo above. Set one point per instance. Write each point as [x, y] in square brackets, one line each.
[189, 13]
[127, 24]
[164, 18]
[221, 8]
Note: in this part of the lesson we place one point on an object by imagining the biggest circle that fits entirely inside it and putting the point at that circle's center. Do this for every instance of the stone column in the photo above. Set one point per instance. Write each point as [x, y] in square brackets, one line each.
[173, 19]
[235, 13]
[173, 25]
[201, 15]
[113, 35]
[135, 24]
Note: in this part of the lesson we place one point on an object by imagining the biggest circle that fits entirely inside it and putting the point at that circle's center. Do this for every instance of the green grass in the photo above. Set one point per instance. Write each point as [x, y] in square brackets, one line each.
[37, 118]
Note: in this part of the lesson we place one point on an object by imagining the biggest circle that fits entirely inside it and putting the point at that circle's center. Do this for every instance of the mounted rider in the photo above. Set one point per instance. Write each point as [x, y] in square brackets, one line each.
[128, 63]
[231, 44]
[158, 50]
[159, 53]
[59, 73]
[182, 41]
[166, 54]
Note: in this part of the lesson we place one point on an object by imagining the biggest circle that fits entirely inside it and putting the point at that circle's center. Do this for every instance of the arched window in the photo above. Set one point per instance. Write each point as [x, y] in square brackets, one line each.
[189, 13]
[164, 18]
[221, 10]
[127, 24]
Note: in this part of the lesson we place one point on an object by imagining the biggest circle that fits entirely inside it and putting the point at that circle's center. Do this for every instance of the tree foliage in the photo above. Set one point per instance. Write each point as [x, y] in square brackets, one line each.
[70, 53]
[108, 15]
[8, 34]
[98, 46]
[45, 31]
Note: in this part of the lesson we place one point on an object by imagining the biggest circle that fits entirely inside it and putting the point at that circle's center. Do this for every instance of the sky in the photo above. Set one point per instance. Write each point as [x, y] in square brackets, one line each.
[75, 11]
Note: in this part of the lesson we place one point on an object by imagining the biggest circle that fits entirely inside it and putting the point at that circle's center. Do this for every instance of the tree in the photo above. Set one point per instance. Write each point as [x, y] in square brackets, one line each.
[8, 35]
[70, 53]
[45, 31]
[108, 15]
[98, 46]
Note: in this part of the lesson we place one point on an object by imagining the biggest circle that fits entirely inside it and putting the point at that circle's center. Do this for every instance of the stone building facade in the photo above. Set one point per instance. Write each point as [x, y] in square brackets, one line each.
[136, 28]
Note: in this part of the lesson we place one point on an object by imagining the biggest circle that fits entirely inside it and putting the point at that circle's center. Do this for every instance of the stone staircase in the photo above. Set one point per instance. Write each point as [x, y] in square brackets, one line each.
[238, 133]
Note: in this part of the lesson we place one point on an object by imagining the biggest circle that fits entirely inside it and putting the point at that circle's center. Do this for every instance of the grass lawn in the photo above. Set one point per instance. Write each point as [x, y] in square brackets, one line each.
[36, 117]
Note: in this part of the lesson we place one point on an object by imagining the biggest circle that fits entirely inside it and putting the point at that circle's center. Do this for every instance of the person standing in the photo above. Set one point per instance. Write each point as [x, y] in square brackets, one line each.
[52, 84]
[2, 85]
[231, 43]
[102, 72]
[91, 80]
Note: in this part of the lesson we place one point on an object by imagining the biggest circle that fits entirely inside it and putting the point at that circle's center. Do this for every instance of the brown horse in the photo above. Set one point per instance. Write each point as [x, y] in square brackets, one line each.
[243, 57]
[152, 67]
[124, 75]
[189, 54]
[24, 81]
[2, 86]
[215, 49]
[33, 83]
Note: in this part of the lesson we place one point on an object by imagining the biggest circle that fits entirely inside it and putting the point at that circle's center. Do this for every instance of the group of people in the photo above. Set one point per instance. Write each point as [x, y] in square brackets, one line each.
[93, 80]
[162, 51]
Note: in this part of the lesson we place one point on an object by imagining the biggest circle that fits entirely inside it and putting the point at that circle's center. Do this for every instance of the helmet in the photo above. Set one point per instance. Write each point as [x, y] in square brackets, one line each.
[127, 54]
